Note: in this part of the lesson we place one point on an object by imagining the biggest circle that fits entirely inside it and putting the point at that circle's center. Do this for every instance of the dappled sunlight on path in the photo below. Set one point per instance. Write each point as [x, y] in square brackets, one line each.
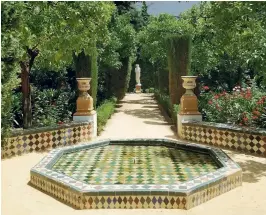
[137, 115]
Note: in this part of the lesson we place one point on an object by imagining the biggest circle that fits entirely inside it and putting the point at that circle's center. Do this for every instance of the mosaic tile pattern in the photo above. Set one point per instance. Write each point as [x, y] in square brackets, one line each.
[40, 141]
[229, 139]
[183, 195]
[79, 201]
[136, 201]
[117, 164]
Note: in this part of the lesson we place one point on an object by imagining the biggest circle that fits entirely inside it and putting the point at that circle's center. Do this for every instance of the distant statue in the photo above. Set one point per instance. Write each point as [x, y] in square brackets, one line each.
[137, 71]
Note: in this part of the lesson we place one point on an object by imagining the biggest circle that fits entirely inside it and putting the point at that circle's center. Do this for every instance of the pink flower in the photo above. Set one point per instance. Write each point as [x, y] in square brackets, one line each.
[206, 88]
[216, 96]
[210, 102]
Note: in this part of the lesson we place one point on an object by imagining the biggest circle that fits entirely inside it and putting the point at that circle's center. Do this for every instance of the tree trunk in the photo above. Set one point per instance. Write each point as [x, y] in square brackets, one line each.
[26, 89]
[26, 95]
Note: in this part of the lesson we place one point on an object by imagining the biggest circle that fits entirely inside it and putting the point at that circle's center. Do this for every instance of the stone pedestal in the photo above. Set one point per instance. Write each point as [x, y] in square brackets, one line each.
[138, 88]
[183, 118]
[188, 104]
[88, 118]
[85, 112]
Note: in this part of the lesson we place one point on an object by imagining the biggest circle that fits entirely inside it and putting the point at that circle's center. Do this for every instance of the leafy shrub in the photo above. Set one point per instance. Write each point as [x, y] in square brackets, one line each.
[150, 90]
[175, 111]
[51, 107]
[104, 112]
[242, 106]
[164, 101]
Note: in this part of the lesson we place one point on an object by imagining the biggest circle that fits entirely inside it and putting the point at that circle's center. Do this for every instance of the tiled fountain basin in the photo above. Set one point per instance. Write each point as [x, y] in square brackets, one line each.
[136, 173]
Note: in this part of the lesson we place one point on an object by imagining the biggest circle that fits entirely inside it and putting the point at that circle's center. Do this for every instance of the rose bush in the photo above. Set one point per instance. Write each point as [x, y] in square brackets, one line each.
[242, 106]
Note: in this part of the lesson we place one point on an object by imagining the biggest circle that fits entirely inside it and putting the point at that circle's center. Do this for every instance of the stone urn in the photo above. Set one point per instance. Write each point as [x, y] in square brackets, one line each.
[84, 101]
[189, 101]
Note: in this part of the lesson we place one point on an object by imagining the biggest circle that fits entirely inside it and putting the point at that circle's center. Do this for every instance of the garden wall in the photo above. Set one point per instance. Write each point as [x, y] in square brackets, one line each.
[41, 139]
[250, 140]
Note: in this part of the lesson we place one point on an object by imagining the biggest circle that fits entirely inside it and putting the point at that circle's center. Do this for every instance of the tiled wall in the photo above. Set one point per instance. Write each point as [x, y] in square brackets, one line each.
[88, 201]
[46, 138]
[229, 137]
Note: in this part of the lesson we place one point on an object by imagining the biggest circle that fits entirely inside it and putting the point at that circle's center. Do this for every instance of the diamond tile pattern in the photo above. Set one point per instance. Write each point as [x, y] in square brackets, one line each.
[234, 140]
[46, 140]
[117, 164]
[86, 201]
[111, 192]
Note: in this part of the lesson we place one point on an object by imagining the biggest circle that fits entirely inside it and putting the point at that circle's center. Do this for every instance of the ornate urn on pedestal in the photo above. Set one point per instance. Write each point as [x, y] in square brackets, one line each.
[189, 101]
[84, 101]
[85, 112]
[188, 104]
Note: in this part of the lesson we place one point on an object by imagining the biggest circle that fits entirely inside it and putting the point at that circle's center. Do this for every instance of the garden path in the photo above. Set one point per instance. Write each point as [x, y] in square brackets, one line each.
[136, 116]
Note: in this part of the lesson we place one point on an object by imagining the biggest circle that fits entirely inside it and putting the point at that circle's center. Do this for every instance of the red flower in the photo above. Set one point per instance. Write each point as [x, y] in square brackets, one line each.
[245, 119]
[216, 96]
[60, 123]
[218, 107]
[261, 101]
[210, 102]
[254, 117]
[257, 113]
[206, 88]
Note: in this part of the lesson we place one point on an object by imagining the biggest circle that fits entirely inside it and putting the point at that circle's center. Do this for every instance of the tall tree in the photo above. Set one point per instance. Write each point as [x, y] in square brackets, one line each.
[179, 59]
[53, 30]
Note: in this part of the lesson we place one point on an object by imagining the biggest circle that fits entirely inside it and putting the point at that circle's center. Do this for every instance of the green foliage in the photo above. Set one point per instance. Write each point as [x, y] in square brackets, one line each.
[179, 58]
[117, 57]
[150, 90]
[152, 37]
[94, 76]
[163, 80]
[10, 51]
[51, 107]
[82, 64]
[242, 106]
[50, 32]
[104, 112]
[234, 29]
[120, 78]
[164, 101]
[122, 42]
[128, 75]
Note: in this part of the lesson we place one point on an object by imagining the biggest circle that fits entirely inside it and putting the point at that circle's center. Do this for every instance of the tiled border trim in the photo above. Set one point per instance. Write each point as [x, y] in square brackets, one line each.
[46, 138]
[228, 127]
[183, 195]
[242, 140]
[20, 132]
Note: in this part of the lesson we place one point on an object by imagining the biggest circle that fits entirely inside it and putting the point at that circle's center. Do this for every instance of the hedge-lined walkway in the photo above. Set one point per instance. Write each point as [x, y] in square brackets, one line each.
[136, 116]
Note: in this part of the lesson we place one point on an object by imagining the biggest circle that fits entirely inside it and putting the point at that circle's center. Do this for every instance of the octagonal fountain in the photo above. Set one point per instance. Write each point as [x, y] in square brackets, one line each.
[136, 173]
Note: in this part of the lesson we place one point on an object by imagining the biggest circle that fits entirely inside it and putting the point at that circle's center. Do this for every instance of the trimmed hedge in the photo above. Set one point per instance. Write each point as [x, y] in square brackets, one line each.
[179, 60]
[164, 101]
[104, 112]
